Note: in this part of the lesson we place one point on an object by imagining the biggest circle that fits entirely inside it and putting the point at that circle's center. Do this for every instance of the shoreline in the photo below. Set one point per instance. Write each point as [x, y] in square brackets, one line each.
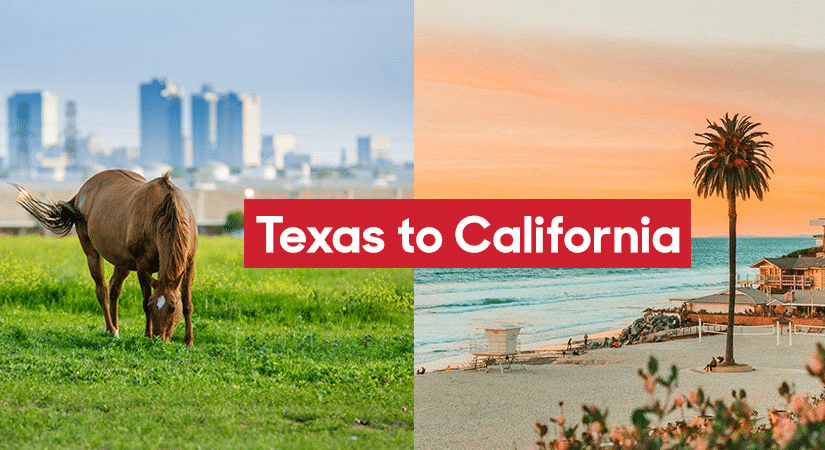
[538, 353]
[549, 351]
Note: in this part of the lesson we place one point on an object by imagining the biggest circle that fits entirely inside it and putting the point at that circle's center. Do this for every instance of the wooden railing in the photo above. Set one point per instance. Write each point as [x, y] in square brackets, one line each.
[793, 281]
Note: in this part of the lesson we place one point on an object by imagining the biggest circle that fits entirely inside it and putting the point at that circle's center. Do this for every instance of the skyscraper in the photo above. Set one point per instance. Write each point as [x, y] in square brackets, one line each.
[239, 130]
[70, 134]
[33, 127]
[204, 126]
[364, 152]
[161, 135]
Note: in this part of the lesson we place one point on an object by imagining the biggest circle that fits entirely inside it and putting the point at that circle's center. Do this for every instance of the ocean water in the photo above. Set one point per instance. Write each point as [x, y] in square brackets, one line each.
[453, 306]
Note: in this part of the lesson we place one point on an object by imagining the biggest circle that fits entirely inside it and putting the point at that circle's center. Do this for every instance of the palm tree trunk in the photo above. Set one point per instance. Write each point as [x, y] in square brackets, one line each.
[729, 361]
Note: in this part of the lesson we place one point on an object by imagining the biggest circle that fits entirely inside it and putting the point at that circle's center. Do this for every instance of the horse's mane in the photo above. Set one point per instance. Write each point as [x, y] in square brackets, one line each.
[170, 223]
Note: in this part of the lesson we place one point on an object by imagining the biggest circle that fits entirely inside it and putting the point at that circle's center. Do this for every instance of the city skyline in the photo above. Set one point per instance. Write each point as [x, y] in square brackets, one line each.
[324, 72]
[225, 129]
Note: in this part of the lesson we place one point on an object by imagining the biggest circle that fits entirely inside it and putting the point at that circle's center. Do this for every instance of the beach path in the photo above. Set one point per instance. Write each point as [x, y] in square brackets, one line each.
[469, 409]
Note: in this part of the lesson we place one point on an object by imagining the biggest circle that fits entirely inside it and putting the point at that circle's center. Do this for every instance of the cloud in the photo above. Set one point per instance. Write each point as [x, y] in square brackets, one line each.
[560, 117]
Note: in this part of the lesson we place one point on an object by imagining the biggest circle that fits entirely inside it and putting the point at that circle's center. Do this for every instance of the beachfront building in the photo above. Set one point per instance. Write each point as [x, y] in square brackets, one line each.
[161, 132]
[804, 300]
[783, 274]
[803, 270]
[795, 282]
[747, 300]
[752, 300]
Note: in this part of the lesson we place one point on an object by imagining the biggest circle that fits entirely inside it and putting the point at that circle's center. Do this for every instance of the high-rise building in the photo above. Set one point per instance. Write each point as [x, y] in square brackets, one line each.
[373, 149]
[204, 126]
[70, 134]
[364, 152]
[268, 149]
[33, 127]
[161, 134]
[239, 130]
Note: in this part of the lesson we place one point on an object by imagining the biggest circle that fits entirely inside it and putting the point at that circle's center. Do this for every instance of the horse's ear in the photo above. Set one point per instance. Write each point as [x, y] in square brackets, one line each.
[153, 282]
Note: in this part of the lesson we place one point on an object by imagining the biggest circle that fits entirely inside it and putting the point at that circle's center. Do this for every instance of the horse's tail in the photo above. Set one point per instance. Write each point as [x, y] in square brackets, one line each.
[59, 217]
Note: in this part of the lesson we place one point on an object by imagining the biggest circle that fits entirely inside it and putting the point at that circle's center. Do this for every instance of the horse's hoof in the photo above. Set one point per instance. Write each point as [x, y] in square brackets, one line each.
[117, 334]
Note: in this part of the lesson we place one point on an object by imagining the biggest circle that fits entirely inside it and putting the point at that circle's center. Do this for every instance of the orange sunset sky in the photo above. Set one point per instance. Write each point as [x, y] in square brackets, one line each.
[537, 102]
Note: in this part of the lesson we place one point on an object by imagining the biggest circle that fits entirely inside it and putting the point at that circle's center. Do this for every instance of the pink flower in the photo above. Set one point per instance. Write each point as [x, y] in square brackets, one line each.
[797, 403]
[819, 412]
[650, 385]
[621, 436]
[678, 401]
[560, 420]
[693, 397]
[596, 431]
[700, 444]
[816, 364]
[783, 431]
[562, 445]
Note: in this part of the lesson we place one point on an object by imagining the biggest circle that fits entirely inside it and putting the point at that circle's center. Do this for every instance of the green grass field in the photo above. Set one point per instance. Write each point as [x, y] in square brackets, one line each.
[283, 358]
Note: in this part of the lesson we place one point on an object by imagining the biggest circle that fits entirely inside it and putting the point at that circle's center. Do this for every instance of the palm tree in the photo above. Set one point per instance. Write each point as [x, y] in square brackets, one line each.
[733, 163]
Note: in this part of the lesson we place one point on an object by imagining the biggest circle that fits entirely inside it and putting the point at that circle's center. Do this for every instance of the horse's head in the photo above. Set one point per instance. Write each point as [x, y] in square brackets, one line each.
[165, 310]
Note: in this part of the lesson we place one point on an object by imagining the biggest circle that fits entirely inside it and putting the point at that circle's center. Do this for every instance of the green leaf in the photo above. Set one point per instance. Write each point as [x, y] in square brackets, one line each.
[640, 420]
[652, 365]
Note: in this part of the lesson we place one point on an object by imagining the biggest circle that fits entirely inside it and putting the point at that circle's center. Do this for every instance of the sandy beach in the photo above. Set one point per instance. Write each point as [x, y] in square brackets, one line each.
[462, 409]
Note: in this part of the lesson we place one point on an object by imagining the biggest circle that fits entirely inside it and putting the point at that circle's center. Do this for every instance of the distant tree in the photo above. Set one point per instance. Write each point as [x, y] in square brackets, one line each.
[733, 163]
[234, 221]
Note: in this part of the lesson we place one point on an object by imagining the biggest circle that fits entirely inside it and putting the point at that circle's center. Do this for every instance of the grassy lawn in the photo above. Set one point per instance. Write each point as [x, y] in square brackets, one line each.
[283, 358]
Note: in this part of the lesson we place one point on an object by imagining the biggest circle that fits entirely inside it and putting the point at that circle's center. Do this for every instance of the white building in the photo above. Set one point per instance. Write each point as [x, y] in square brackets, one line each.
[276, 146]
[374, 149]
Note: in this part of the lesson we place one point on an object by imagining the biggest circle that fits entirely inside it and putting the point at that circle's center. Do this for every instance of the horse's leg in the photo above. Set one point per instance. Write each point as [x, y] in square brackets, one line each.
[96, 269]
[115, 286]
[186, 297]
[146, 289]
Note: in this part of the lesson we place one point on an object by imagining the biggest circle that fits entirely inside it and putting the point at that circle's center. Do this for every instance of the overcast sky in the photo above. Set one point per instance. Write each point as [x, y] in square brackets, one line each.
[327, 71]
[695, 23]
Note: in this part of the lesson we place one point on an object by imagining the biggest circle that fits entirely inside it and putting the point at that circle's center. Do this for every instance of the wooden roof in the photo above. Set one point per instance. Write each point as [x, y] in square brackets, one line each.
[802, 262]
[744, 296]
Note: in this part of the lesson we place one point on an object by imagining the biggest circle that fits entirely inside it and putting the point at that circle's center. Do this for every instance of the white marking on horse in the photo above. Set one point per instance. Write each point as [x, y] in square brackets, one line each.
[161, 301]
[117, 334]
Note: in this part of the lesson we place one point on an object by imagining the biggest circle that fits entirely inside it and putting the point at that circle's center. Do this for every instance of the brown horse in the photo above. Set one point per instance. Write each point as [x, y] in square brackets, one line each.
[145, 226]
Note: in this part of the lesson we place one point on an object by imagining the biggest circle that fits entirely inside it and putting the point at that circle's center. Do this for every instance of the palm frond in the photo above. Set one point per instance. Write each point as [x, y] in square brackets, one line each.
[733, 160]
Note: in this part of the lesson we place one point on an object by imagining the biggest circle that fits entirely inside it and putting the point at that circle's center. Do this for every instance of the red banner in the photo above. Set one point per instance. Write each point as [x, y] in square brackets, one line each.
[467, 233]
